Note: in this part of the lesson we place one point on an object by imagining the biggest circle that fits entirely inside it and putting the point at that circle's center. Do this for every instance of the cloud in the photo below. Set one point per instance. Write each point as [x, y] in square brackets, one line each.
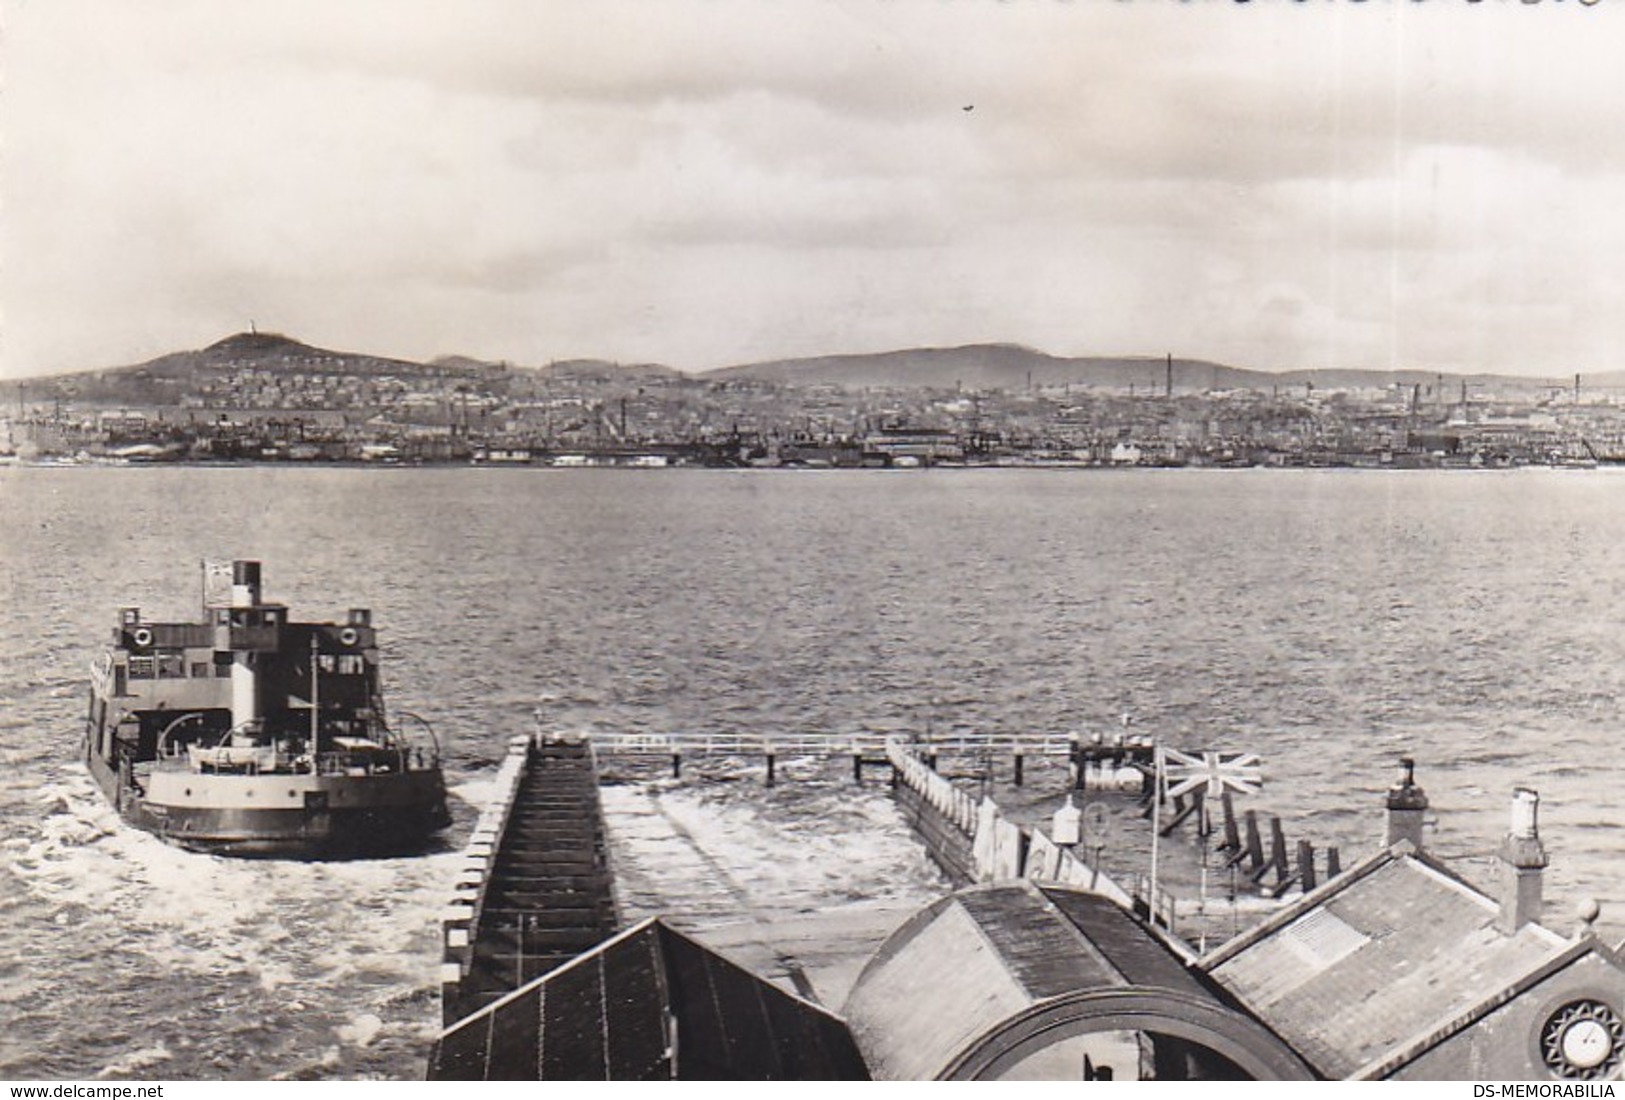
[701, 182]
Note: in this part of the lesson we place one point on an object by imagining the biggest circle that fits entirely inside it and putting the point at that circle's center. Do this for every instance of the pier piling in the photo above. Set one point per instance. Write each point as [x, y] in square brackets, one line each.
[1232, 836]
[1306, 865]
[1255, 845]
[1185, 809]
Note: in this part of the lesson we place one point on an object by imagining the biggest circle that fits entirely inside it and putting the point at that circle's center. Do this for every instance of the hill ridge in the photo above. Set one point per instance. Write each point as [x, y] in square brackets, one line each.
[992, 365]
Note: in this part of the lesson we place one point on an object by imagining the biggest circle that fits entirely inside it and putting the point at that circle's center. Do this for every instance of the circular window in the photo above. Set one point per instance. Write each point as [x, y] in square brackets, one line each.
[1582, 1040]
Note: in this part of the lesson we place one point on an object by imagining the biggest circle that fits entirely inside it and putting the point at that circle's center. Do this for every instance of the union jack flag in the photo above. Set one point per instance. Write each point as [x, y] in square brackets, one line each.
[1217, 771]
[217, 577]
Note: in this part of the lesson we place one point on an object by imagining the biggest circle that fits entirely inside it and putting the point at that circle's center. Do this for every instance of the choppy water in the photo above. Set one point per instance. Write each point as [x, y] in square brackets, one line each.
[1327, 620]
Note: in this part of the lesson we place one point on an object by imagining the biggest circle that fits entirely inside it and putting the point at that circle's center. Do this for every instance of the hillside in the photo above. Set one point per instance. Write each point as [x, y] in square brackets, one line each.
[166, 379]
[599, 370]
[169, 378]
[268, 351]
[1009, 367]
[1428, 380]
[1012, 368]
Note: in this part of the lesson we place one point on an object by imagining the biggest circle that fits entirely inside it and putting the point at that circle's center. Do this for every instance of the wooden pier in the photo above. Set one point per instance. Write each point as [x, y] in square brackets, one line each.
[536, 890]
[1095, 760]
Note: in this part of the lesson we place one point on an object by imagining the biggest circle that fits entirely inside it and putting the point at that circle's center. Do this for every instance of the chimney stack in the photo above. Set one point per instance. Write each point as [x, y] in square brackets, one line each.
[1407, 803]
[1523, 859]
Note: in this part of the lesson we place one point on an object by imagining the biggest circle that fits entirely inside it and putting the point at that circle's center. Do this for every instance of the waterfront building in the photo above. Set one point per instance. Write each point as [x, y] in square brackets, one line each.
[922, 445]
[1400, 968]
[1397, 967]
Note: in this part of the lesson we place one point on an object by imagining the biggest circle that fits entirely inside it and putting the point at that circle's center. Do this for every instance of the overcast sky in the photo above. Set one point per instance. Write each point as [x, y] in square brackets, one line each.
[705, 183]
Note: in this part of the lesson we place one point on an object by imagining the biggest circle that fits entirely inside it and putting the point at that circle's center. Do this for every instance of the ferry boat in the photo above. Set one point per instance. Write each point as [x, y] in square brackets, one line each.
[249, 734]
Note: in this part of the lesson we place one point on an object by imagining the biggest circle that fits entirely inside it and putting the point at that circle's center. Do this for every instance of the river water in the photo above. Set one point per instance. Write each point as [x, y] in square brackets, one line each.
[1330, 621]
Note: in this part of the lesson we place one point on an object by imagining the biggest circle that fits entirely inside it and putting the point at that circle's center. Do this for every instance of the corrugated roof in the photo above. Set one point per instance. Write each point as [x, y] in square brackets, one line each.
[1361, 967]
[1134, 951]
[604, 1017]
[935, 986]
[972, 962]
[1047, 956]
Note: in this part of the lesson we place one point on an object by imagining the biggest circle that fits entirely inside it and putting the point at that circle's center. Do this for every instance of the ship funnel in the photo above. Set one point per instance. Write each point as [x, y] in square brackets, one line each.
[245, 583]
[246, 690]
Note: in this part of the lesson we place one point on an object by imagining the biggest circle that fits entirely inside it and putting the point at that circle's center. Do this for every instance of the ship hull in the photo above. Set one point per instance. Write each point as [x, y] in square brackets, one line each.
[297, 816]
[288, 834]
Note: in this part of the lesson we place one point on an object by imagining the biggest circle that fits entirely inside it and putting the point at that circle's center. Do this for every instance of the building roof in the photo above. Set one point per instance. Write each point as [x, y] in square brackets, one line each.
[974, 980]
[1375, 960]
[648, 1004]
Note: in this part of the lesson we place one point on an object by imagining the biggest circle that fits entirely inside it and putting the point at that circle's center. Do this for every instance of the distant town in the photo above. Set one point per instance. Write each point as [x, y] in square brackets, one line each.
[263, 398]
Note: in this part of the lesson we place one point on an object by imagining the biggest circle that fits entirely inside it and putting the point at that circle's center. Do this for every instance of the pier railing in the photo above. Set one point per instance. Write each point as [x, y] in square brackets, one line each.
[973, 841]
[656, 744]
[1093, 754]
[460, 919]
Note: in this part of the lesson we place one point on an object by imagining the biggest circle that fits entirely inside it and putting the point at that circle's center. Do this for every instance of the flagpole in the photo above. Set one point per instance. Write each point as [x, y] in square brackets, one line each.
[1203, 831]
[1156, 822]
